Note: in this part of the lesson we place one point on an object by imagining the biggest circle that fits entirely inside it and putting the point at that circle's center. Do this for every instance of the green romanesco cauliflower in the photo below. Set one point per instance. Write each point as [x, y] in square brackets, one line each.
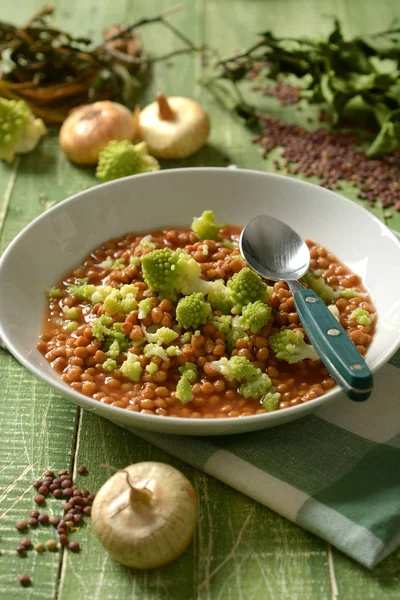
[254, 316]
[222, 323]
[271, 400]
[146, 243]
[350, 293]
[256, 387]
[122, 158]
[82, 290]
[326, 292]
[69, 326]
[174, 351]
[109, 365]
[114, 349]
[170, 272]
[236, 368]
[20, 131]
[54, 292]
[100, 327]
[152, 368]
[131, 367]
[163, 336]
[245, 287]
[192, 311]
[145, 307]
[71, 313]
[289, 345]
[184, 391]
[151, 350]
[219, 297]
[189, 370]
[121, 299]
[361, 316]
[205, 226]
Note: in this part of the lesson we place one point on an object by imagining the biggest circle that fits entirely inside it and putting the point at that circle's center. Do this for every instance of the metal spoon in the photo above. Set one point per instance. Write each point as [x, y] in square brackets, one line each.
[277, 252]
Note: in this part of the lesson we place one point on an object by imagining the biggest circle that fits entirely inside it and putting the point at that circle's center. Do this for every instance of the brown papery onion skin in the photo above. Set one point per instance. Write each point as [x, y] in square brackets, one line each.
[89, 128]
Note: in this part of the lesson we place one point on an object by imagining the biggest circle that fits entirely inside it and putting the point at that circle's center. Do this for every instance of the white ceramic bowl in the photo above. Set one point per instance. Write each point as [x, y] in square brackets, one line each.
[57, 241]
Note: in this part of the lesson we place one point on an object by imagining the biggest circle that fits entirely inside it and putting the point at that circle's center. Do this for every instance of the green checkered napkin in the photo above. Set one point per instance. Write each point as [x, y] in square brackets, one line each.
[335, 473]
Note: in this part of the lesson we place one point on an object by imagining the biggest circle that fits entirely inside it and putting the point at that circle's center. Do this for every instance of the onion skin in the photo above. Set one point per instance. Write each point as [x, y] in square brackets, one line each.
[89, 128]
[177, 137]
[150, 525]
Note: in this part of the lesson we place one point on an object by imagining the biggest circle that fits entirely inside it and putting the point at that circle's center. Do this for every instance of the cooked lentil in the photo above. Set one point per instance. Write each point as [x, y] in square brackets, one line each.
[214, 397]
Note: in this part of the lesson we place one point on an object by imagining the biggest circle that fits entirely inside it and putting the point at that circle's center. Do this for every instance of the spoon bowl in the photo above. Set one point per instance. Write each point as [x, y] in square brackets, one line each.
[274, 250]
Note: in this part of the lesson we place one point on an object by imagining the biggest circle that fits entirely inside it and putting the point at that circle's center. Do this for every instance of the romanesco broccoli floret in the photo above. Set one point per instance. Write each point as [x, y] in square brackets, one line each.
[254, 316]
[256, 387]
[289, 345]
[145, 307]
[20, 131]
[121, 299]
[205, 226]
[100, 327]
[361, 316]
[192, 311]
[114, 349]
[163, 336]
[54, 292]
[174, 351]
[71, 313]
[151, 350]
[350, 293]
[219, 297]
[236, 368]
[184, 391]
[152, 368]
[109, 365]
[245, 287]
[270, 401]
[170, 272]
[69, 325]
[146, 243]
[320, 287]
[222, 323]
[131, 367]
[83, 292]
[189, 370]
[122, 158]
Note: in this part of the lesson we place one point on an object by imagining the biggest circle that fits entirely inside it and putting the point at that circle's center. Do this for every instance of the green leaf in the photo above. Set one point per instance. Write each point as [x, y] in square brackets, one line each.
[388, 139]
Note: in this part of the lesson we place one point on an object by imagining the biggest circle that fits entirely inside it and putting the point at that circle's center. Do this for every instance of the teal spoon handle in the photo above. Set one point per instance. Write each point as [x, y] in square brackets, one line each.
[335, 348]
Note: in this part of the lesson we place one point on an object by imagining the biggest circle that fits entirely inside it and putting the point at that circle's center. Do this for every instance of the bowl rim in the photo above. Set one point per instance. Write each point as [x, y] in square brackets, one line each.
[113, 412]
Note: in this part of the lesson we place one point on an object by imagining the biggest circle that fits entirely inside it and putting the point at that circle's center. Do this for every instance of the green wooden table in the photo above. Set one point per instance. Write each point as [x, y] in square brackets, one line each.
[241, 550]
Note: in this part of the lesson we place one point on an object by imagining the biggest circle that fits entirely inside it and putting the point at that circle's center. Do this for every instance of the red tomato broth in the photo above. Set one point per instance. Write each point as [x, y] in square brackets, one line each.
[78, 356]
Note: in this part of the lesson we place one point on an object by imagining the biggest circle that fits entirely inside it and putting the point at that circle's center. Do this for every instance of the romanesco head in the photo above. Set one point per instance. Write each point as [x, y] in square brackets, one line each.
[271, 400]
[236, 368]
[246, 286]
[254, 316]
[289, 345]
[256, 387]
[20, 131]
[184, 391]
[122, 158]
[192, 311]
[205, 226]
[169, 272]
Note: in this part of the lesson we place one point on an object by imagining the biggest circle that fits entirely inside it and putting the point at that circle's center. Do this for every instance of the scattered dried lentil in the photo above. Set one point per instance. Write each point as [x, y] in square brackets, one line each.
[24, 580]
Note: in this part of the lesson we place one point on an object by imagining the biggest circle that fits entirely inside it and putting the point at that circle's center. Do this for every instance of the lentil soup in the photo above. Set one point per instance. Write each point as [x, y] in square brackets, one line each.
[116, 336]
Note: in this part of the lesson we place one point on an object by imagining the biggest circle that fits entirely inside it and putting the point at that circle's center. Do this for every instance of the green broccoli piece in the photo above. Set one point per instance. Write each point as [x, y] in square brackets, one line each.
[256, 387]
[174, 351]
[145, 307]
[192, 311]
[83, 292]
[69, 326]
[146, 243]
[100, 327]
[135, 261]
[109, 365]
[320, 287]
[184, 391]
[205, 226]
[350, 293]
[236, 368]
[151, 350]
[20, 131]
[170, 272]
[114, 349]
[186, 337]
[122, 158]
[219, 297]
[271, 400]
[121, 299]
[71, 313]
[254, 316]
[189, 370]
[152, 368]
[163, 336]
[361, 316]
[54, 292]
[289, 345]
[222, 323]
[131, 367]
[245, 287]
